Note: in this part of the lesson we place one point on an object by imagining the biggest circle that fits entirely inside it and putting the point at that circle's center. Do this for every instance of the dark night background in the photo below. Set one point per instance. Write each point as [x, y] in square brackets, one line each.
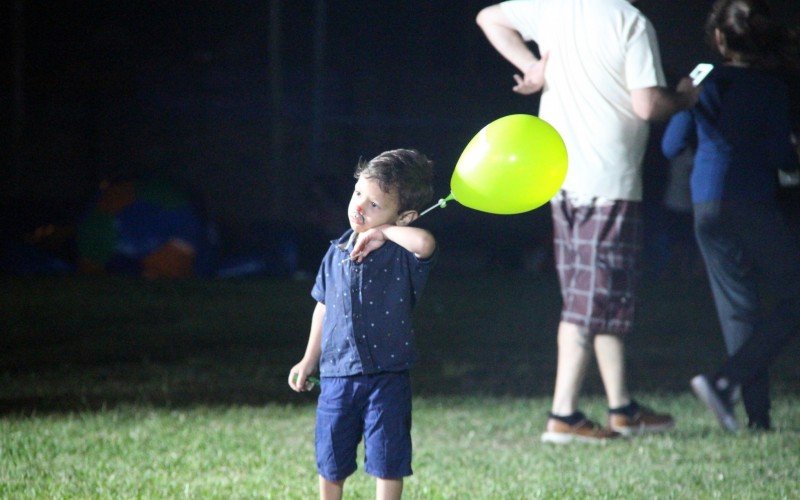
[248, 103]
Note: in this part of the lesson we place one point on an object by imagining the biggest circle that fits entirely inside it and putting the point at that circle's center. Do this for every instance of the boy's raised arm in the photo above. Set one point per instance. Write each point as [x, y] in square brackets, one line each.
[416, 240]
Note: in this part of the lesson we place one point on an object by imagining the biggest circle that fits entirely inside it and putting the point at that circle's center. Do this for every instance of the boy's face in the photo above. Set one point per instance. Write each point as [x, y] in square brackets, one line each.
[372, 207]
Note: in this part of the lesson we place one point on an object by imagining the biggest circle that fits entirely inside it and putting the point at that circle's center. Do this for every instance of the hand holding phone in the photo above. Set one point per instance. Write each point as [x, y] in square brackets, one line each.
[699, 73]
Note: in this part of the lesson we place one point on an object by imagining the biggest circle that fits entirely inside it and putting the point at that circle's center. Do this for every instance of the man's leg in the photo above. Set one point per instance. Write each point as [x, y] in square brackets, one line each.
[574, 237]
[566, 424]
[574, 354]
[610, 352]
[600, 293]
[625, 414]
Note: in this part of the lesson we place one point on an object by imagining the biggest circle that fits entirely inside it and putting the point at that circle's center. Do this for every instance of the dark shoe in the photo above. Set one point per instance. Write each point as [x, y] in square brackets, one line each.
[641, 421]
[717, 402]
[761, 424]
[584, 431]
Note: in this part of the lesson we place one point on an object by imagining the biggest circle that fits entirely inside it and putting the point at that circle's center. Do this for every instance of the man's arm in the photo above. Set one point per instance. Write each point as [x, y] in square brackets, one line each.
[509, 43]
[504, 38]
[659, 103]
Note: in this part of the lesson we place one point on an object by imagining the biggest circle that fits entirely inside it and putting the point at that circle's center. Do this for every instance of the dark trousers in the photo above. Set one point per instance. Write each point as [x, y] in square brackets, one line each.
[746, 245]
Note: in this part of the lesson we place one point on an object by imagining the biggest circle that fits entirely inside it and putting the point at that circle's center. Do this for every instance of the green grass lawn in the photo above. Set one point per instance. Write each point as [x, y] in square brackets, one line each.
[111, 387]
[465, 447]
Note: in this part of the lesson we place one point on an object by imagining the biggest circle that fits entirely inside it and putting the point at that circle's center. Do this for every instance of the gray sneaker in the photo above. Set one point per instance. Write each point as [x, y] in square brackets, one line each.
[720, 406]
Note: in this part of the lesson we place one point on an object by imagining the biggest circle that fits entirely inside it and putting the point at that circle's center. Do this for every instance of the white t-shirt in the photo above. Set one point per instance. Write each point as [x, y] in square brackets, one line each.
[600, 50]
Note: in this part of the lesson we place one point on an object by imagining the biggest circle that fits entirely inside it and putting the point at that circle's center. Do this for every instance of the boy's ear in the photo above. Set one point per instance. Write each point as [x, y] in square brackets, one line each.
[407, 218]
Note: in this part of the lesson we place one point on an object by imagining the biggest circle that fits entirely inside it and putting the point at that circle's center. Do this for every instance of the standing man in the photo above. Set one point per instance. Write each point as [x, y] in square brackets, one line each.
[601, 80]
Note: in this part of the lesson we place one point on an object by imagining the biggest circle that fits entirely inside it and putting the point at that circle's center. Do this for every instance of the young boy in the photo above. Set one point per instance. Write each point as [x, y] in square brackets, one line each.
[361, 338]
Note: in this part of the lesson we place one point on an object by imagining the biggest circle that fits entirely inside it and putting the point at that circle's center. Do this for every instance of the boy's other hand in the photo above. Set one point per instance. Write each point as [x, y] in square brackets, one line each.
[298, 378]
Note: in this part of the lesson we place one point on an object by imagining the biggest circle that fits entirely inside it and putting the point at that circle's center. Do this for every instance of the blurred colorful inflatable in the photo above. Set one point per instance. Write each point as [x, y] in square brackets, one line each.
[143, 227]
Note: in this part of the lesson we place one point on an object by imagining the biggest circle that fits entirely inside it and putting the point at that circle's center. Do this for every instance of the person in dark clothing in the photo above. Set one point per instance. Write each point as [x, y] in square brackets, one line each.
[743, 126]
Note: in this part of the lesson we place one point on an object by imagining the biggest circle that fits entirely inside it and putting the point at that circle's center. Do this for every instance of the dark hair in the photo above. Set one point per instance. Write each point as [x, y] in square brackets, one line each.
[750, 31]
[406, 170]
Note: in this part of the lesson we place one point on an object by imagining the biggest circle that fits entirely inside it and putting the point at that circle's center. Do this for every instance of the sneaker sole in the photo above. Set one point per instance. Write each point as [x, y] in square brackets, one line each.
[563, 438]
[703, 390]
[643, 429]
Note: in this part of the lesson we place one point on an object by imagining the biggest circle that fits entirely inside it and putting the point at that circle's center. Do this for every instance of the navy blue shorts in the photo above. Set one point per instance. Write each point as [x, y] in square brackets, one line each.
[377, 407]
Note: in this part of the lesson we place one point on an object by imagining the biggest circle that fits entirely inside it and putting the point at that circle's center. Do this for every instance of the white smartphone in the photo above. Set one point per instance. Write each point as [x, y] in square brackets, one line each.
[699, 73]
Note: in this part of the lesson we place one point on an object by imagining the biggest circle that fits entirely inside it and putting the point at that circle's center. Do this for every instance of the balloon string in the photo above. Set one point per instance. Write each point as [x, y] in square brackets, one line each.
[441, 203]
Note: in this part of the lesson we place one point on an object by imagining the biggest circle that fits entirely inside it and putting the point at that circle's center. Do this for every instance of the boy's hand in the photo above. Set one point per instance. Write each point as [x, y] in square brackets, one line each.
[298, 377]
[368, 241]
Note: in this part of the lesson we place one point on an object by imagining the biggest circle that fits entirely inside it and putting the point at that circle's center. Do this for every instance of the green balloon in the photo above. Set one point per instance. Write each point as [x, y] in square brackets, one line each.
[514, 164]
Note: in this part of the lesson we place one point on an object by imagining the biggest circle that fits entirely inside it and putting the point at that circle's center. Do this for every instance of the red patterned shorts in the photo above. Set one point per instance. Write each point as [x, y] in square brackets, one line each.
[597, 253]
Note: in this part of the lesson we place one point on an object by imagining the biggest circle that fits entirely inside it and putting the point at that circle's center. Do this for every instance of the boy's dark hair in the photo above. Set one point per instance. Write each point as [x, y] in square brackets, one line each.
[406, 170]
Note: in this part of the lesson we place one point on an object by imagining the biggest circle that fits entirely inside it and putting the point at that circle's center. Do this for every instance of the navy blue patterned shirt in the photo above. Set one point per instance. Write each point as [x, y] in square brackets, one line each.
[368, 308]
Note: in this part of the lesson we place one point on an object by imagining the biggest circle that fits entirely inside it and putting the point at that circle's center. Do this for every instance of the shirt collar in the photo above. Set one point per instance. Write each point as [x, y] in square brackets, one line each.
[346, 241]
